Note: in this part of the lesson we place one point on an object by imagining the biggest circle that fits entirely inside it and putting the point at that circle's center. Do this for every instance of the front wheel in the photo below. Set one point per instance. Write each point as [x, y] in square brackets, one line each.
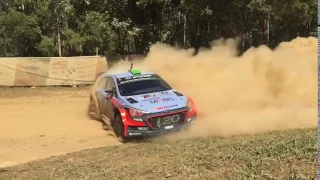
[118, 129]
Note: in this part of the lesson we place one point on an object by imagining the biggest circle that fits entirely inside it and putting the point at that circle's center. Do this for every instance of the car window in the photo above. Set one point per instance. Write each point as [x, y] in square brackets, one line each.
[110, 84]
[143, 87]
[103, 83]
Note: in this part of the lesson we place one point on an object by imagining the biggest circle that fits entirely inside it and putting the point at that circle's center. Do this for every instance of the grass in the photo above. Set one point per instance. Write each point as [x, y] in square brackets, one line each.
[287, 155]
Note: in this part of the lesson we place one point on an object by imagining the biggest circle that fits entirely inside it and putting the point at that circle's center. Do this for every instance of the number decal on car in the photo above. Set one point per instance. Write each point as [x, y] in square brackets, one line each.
[163, 121]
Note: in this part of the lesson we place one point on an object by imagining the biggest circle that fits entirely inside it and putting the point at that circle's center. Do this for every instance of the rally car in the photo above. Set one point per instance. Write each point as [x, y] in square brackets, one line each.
[137, 104]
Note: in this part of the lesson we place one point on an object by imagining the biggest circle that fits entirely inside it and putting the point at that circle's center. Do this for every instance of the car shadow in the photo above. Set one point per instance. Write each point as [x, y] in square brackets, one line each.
[133, 140]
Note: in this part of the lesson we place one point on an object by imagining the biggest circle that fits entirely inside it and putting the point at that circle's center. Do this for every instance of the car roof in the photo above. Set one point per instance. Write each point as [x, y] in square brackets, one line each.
[126, 74]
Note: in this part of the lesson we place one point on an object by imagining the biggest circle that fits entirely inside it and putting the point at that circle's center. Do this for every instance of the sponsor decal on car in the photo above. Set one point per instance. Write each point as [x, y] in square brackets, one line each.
[139, 76]
[134, 134]
[148, 99]
[166, 107]
[154, 101]
[166, 93]
[147, 96]
[136, 78]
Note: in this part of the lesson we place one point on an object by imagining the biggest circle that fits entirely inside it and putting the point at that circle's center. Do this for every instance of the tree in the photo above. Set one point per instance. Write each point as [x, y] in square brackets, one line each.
[95, 30]
[47, 47]
[87, 27]
[17, 32]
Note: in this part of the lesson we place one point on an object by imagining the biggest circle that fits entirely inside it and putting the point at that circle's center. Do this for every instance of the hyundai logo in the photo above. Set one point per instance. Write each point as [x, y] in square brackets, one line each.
[167, 111]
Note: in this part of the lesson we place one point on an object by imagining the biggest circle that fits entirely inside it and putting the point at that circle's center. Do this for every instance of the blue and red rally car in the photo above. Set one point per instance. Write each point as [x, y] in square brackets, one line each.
[139, 104]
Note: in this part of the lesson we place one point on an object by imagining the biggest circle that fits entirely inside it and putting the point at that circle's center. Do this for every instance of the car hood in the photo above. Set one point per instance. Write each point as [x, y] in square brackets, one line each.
[156, 102]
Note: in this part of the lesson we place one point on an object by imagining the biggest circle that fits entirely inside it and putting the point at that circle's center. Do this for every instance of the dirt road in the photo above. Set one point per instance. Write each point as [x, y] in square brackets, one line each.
[34, 126]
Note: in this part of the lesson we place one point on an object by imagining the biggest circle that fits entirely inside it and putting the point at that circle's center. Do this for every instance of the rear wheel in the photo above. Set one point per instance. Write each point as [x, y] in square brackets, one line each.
[118, 129]
[93, 109]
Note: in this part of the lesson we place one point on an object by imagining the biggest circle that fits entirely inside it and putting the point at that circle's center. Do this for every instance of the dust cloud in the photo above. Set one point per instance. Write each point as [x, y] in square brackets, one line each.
[262, 90]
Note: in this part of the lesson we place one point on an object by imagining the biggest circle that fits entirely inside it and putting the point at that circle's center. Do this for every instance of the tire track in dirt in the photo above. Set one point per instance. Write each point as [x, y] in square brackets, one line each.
[39, 127]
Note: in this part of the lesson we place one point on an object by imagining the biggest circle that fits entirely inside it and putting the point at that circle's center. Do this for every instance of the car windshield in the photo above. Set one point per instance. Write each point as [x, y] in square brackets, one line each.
[143, 86]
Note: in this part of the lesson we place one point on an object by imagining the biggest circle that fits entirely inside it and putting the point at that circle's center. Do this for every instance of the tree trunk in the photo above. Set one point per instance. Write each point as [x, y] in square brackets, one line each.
[136, 45]
[5, 46]
[268, 30]
[184, 30]
[97, 51]
[59, 42]
[123, 41]
[128, 45]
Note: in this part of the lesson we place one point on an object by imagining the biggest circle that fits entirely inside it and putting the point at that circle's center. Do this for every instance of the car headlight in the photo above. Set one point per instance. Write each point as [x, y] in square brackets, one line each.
[135, 112]
[189, 105]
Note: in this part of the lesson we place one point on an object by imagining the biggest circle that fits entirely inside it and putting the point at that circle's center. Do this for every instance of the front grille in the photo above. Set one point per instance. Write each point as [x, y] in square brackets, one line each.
[160, 122]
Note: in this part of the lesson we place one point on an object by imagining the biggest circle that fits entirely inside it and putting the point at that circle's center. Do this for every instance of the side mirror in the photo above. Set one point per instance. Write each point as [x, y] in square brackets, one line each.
[108, 91]
[108, 94]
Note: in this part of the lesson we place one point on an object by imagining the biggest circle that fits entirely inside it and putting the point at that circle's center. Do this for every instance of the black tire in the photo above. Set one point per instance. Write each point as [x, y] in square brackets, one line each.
[94, 109]
[118, 129]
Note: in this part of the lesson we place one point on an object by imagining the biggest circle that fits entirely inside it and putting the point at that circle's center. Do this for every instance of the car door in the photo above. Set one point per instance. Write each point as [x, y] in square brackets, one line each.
[108, 106]
[101, 93]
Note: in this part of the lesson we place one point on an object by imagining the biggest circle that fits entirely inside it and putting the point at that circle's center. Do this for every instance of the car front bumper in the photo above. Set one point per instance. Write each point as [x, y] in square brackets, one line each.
[135, 133]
